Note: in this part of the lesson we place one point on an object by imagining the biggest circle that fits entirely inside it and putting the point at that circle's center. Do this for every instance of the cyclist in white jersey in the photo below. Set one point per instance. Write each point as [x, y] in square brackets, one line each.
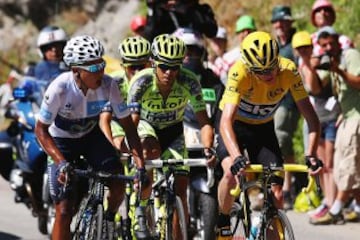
[67, 127]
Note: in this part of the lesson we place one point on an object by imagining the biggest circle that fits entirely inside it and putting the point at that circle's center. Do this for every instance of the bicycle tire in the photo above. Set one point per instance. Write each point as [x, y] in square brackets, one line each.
[81, 221]
[179, 209]
[283, 227]
[96, 226]
[208, 212]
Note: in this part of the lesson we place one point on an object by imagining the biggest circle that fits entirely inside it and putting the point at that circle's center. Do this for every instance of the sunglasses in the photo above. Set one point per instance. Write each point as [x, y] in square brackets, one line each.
[165, 67]
[263, 71]
[135, 67]
[94, 67]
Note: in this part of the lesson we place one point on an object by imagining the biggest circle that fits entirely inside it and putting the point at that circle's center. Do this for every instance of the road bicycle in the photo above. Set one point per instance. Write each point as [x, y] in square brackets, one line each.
[268, 222]
[90, 223]
[164, 203]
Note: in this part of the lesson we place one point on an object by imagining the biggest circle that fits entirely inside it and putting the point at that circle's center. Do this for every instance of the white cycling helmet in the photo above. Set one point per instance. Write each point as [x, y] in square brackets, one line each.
[82, 49]
[49, 35]
[190, 37]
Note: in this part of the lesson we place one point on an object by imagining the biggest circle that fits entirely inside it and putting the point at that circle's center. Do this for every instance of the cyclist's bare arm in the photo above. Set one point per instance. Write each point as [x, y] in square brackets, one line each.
[47, 142]
[136, 118]
[307, 110]
[133, 140]
[207, 134]
[104, 123]
[227, 131]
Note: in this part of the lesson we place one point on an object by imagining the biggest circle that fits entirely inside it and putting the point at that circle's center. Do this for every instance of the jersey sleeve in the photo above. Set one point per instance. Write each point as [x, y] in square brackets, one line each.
[51, 103]
[118, 105]
[297, 88]
[196, 98]
[232, 89]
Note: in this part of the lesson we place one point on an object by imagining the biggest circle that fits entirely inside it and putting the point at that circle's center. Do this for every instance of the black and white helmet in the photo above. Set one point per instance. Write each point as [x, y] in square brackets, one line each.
[82, 49]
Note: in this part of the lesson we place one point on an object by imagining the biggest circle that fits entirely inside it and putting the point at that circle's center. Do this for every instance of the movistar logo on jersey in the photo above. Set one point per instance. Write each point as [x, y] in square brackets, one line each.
[45, 114]
[254, 111]
[95, 107]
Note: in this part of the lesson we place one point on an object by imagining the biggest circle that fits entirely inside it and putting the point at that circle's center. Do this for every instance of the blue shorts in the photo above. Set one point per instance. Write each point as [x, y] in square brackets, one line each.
[328, 131]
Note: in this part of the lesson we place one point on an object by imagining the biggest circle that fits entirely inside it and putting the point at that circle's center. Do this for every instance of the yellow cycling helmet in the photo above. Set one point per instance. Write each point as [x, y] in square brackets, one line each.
[301, 39]
[168, 49]
[259, 51]
[134, 49]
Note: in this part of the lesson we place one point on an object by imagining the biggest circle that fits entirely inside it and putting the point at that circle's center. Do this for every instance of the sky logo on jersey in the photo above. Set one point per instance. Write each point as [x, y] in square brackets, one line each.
[95, 107]
[45, 114]
[255, 111]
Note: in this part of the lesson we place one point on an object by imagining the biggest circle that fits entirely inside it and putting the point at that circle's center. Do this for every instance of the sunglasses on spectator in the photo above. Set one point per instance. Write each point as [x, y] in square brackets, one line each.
[165, 67]
[94, 67]
[135, 67]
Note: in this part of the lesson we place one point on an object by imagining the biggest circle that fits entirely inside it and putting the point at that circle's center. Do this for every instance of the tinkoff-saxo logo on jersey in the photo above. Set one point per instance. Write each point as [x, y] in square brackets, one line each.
[160, 117]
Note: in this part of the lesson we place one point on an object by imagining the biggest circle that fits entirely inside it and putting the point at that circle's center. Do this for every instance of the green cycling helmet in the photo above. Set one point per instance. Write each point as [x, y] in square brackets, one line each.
[168, 49]
[134, 49]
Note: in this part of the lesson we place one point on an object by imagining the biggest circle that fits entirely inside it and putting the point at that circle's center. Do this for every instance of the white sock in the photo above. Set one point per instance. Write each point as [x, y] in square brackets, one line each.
[336, 207]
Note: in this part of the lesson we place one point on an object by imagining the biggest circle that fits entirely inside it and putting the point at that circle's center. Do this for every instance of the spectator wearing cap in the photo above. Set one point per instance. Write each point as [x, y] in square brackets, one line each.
[286, 116]
[244, 25]
[137, 25]
[323, 14]
[344, 73]
[327, 109]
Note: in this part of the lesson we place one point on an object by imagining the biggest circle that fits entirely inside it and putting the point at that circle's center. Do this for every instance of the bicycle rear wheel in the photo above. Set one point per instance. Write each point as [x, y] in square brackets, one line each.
[279, 227]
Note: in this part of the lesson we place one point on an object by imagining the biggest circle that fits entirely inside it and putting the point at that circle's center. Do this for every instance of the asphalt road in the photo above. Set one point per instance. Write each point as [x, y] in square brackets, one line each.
[16, 222]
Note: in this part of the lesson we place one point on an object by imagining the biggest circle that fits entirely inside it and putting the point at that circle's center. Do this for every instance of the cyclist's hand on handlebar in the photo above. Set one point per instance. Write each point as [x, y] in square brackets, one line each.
[314, 164]
[239, 165]
[210, 155]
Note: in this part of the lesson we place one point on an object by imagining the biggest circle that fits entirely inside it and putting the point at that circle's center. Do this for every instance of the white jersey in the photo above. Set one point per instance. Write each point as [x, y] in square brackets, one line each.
[70, 114]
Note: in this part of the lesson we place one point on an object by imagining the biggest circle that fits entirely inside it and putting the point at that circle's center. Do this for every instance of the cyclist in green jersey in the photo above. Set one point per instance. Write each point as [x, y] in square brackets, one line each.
[159, 95]
[134, 55]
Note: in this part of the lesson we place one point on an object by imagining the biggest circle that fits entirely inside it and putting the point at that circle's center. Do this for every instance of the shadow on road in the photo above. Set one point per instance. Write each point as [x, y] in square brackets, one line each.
[6, 236]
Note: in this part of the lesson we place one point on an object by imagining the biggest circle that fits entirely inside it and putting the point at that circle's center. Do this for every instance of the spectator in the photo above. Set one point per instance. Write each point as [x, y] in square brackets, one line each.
[137, 25]
[218, 44]
[244, 25]
[168, 15]
[287, 116]
[327, 109]
[345, 74]
[50, 43]
[323, 14]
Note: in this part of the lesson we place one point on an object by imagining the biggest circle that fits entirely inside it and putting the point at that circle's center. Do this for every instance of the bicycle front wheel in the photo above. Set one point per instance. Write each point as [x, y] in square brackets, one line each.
[178, 212]
[279, 227]
[96, 226]
[239, 221]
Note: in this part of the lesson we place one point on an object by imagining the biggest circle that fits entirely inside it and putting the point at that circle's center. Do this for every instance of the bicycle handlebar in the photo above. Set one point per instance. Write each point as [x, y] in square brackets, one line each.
[285, 168]
[191, 162]
[101, 174]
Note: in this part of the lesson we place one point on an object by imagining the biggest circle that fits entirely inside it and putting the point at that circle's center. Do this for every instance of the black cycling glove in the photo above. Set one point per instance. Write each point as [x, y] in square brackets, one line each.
[239, 163]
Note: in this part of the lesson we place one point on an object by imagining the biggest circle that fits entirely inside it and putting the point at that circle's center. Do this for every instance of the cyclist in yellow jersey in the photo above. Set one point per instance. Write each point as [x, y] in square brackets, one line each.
[159, 96]
[256, 84]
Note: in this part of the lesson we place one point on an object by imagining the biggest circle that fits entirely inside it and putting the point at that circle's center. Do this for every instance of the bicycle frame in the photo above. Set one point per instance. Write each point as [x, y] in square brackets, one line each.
[165, 198]
[268, 210]
[92, 205]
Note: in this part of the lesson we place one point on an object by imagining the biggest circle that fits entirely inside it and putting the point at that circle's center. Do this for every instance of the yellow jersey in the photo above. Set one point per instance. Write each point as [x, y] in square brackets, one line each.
[256, 99]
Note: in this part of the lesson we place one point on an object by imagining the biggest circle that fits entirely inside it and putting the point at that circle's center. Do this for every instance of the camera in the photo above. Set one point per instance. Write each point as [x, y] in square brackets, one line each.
[325, 62]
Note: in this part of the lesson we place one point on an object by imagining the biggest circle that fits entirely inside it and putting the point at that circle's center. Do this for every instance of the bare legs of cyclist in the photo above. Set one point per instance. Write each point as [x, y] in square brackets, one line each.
[61, 230]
